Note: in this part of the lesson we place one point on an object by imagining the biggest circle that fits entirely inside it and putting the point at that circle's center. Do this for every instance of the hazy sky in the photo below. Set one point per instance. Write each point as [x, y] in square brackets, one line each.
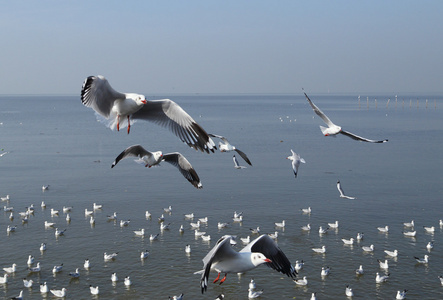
[167, 47]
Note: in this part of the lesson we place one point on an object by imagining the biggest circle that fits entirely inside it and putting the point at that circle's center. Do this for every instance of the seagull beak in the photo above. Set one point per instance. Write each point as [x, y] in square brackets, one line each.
[268, 260]
[144, 101]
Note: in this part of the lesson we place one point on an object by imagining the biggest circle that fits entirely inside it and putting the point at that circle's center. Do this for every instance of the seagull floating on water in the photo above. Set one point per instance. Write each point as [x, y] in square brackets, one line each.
[342, 194]
[57, 269]
[87, 264]
[188, 249]
[114, 277]
[110, 256]
[44, 288]
[360, 270]
[94, 290]
[381, 278]
[348, 241]
[429, 229]
[306, 210]
[27, 283]
[401, 295]
[179, 297]
[298, 265]
[322, 230]
[430, 246]
[127, 281]
[409, 224]
[144, 254]
[4, 279]
[392, 253]
[116, 107]
[306, 227]
[335, 129]
[35, 269]
[368, 248]
[333, 225]
[150, 159]
[224, 259]
[75, 274]
[280, 224]
[383, 229]
[30, 260]
[319, 250]
[59, 293]
[11, 269]
[383, 264]
[423, 260]
[349, 292]
[410, 233]
[325, 271]
[296, 160]
[19, 297]
[225, 146]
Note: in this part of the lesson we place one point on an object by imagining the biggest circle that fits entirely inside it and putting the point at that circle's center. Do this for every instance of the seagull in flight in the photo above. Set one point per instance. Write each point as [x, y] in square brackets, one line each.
[236, 164]
[335, 129]
[340, 190]
[119, 109]
[150, 159]
[224, 259]
[225, 146]
[296, 160]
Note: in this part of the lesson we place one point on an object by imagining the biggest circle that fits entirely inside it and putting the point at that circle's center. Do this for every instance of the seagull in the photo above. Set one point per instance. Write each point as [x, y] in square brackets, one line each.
[179, 297]
[54, 212]
[322, 230]
[114, 277]
[164, 226]
[67, 209]
[199, 233]
[128, 281]
[96, 206]
[87, 264]
[236, 164]
[4, 279]
[124, 223]
[98, 94]
[45, 187]
[189, 216]
[168, 210]
[410, 233]
[429, 229]
[348, 241]
[441, 279]
[44, 288]
[111, 256]
[252, 285]
[237, 219]
[27, 283]
[401, 295]
[19, 297]
[75, 274]
[383, 264]
[30, 260]
[35, 269]
[224, 259]
[221, 225]
[333, 225]
[296, 160]
[188, 248]
[320, 250]
[43, 204]
[313, 296]
[255, 230]
[195, 225]
[150, 159]
[252, 294]
[392, 253]
[349, 291]
[359, 271]
[381, 278]
[342, 194]
[59, 293]
[225, 146]
[144, 254]
[220, 297]
[423, 260]
[335, 129]
[306, 210]
[383, 229]
[360, 236]
[409, 224]
[8, 209]
[57, 269]
[112, 217]
[325, 271]
[280, 224]
[274, 235]
[368, 248]
[306, 227]
[298, 265]
[430, 245]
[181, 229]
[148, 214]
[153, 237]
[88, 212]
[11, 269]
[94, 290]
[140, 232]
[59, 232]
[92, 220]
[203, 220]
[6, 198]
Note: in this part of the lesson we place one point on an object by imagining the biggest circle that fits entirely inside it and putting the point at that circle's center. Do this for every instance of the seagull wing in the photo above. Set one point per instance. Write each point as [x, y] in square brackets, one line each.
[219, 137]
[135, 150]
[98, 94]
[319, 112]
[184, 166]
[269, 248]
[236, 164]
[340, 190]
[359, 138]
[169, 114]
[243, 155]
[222, 250]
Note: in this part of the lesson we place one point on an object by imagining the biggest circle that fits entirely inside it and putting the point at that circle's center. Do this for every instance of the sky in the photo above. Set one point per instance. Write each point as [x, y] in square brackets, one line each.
[231, 46]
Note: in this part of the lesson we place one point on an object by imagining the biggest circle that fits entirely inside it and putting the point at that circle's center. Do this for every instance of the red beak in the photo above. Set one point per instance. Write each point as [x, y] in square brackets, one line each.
[268, 260]
[144, 101]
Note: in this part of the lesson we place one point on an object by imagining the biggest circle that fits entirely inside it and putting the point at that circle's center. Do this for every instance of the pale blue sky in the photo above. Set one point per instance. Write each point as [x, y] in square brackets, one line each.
[167, 47]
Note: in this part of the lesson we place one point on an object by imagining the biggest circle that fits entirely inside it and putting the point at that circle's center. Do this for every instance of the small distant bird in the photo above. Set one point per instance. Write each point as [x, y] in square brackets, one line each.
[140, 232]
[280, 224]
[124, 223]
[225, 146]
[342, 193]
[120, 108]
[88, 212]
[306, 227]
[6, 198]
[349, 292]
[179, 297]
[392, 253]
[359, 271]
[4, 279]
[409, 224]
[360, 236]
[114, 277]
[87, 264]
[383, 229]
[67, 209]
[43, 247]
[54, 212]
[153, 237]
[57, 269]
[96, 206]
[68, 218]
[35, 269]
[296, 160]
[11, 269]
[333, 225]
[325, 271]
[144, 254]
[43, 204]
[303, 281]
[168, 210]
[150, 159]
[75, 274]
[381, 278]
[181, 229]
[94, 290]
[410, 233]
[335, 129]
[313, 296]
[429, 229]
[59, 293]
[148, 215]
[206, 238]
[236, 164]
[252, 285]
[368, 248]
[401, 295]
[383, 264]
[430, 246]
[59, 232]
[255, 230]
[203, 220]
[298, 265]
[189, 216]
[92, 220]
[441, 279]
[319, 250]
[252, 294]
[44, 288]
[112, 217]
[45, 187]
[164, 226]
[220, 297]
[322, 230]
[306, 210]
[221, 225]
[110, 256]
[128, 281]
[199, 233]
[348, 241]
[195, 225]
[423, 260]
[27, 283]
[274, 235]
[30, 260]
[10, 229]
[188, 248]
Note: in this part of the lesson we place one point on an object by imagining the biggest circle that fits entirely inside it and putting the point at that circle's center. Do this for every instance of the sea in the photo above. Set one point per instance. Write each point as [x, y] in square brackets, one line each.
[56, 141]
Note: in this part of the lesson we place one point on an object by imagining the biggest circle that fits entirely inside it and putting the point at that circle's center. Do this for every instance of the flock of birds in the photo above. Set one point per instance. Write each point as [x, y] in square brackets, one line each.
[119, 110]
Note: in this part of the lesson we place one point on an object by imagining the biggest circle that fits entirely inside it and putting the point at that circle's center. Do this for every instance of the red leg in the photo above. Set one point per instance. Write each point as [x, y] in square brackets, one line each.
[224, 278]
[118, 123]
[218, 277]
[129, 125]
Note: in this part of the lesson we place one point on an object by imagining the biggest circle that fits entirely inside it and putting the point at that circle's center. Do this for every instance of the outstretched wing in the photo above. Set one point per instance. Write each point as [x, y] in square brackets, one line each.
[184, 166]
[135, 151]
[243, 155]
[359, 138]
[269, 248]
[169, 114]
[319, 112]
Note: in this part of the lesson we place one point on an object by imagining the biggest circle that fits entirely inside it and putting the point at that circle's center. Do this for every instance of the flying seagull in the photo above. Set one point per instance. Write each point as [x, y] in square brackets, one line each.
[335, 129]
[150, 159]
[225, 146]
[296, 160]
[342, 194]
[120, 108]
[236, 164]
[224, 259]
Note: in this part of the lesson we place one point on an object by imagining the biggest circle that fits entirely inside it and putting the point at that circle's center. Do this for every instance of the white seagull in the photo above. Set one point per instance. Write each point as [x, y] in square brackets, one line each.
[114, 277]
[280, 224]
[179, 297]
[75, 274]
[423, 260]
[348, 241]
[120, 108]
[236, 164]
[430, 229]
[342, 194]
[188, 249]
[128, 281]
[94, 290]
[303, 281]
[401, 295]
[368, 248]
[298, 265]
[335, 129]
[383, 229]
[4, 279]
[430, 246]
[224, 259]
[59, 293]
[11, 269]
[359, 271]
[27, 283]
[110, 256]
[383, 264]
[409, 224]
[306, 227]
[333, 225]
[150, 159]
[392, 253]
[349, 291]
[381, 278]
[44, 288]
[57, 269]
[325, 271]
[306, 210]
[35, 269]
[252, 285]
[225, 146]
[410, 233]
[19, 297]
[87, 264]
[144, 254]
[320, 250]
[296, 160]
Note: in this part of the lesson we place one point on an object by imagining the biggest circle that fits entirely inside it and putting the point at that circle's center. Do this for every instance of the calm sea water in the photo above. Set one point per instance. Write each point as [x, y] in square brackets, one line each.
[57, 141]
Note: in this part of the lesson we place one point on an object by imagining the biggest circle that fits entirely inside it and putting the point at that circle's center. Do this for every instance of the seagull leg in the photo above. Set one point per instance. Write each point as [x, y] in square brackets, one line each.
[224, 278]
[118, 123]
[216, 279]
[129, 125]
